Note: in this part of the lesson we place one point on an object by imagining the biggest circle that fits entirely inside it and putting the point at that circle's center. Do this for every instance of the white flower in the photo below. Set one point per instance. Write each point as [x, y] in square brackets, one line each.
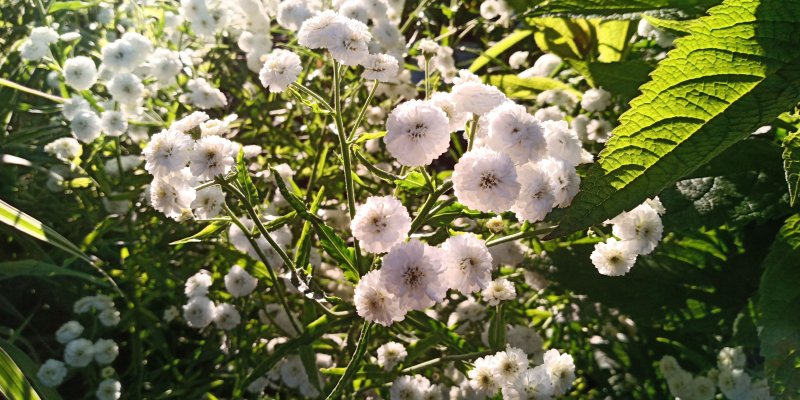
[79, 352]
[293, 374]
[731, 358]
[34, 51]
[413, 272]
[281, 68]
[562, 142]
[172, 195]
[564, 181]
[704, 388]
[109, 317]
[99, 302]
[467, 263]
[212, 156]
[512, 131]
[552, 113]
[189, 122]
[500, 289]
[80, 72]
[354, 9]
[467, 310]
[374, 302]
[205, 96]
[198, 284]
[417, 133]
[65, 149]
[120, 55]
[596, 100]
[126, 88]
[544, 66]
[165, 65]
[167, 152]
[109, 389]
[518, 59]
[141, 44]
[239, 283]
[349, 46]
[199, 312]
[321, 30]
[561, 370]
[482, 378]
[52, 373]
[105, 351]
[733, 383]
[74, 105]
[208, 202]
[380, 67]
[612, 258]
[509, 364]
[113, 123]
[408, 387]
[486, 180]
[388, 35]
[69, 331]
[170, 314]
[535, 196]
[476, 97]
[640, 229]
[282, 237]
[380, 223]
[457, 120]
[226, 316]
[526, 339]
[292, 13]
[558, 97]
[85, 126]
[598, 130]
[532, 384]
[390, 354]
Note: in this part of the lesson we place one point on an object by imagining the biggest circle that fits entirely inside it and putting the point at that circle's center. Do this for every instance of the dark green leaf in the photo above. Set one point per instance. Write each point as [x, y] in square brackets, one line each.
[791, 164]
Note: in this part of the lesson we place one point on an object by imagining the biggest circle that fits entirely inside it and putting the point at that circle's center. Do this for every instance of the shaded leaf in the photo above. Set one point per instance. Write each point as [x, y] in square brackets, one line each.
[791, 164]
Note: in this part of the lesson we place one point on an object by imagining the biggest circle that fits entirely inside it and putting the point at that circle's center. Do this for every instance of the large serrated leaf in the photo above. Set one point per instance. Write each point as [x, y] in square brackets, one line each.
[616, 8]
[780, 321]
[791, 164]
[736, 71]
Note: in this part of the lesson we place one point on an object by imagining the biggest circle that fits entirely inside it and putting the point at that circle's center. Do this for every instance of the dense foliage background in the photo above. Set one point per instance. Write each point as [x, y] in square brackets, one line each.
[709, 125]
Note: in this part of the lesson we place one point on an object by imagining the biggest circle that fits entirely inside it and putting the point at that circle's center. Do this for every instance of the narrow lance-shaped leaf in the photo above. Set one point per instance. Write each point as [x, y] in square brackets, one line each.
[737, 70]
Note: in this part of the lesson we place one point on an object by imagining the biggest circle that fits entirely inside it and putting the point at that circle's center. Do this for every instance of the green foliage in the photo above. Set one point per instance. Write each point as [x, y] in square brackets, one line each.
[617, 8]
[791, 164]
[779, 302]
[705, 96]
[622, 78]
[13, 384]
[500, 47]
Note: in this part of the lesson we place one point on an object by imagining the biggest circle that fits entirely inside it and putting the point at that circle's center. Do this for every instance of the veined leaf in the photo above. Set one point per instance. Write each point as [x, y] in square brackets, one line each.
[736, 71]
[616, 8]
[779, 302]
[209, 230]
[613, 38]
[499, 48]
[566, 38]
[539, 84]
[620, 78]
[791, 164]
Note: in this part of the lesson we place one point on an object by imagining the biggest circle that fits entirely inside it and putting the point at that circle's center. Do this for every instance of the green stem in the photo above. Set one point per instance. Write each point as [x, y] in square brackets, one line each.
[439, 360]
[422, 214]
[520, 235]
[363, 111]
[279, 291]
[17, 86]
[361, 348]
[472, 129]
[313, 94]
[427, 77]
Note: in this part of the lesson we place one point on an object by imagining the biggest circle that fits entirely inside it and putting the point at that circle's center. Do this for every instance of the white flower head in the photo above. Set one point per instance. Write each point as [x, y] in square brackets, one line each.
[52, 373]
[390, 354]
[536, 198]
[126, 88]
[562, 142]
[731, 358]
[281, 68]
[109, 317]
[165, 65]
[226, 316]
[74, 105]
[212, 156]
[417, 133]
[109, 389]
[413, 272]
[613, 258]
[173, 195]
[380, 67]
[189, 122]
[598, 130]
[552, 113]
[457, 120]
[105, 351]
[113, 123]
[80, 72]
[167, 152]
[292, 14]
[557, 97]
[526, 339]
[409, 387]
[79, 352]
[561, 370]
[532, 384]
[374, 302]
[596, 100]
[380, 223]
[239, 282]
[500, 289]
[203, 95]
[564, 180]
[85, 126]
[511, 130]
[208, 202]
[71, 330]
[198, 284]
[477, 98]
[321, 30]
[355, 9]
[467, 263]
[509, 364]
[486, 180]
[640, 229]
[482, 378]
[199, 312]
[65, 149]
[350, 45]
[544, 66]
[119, 56]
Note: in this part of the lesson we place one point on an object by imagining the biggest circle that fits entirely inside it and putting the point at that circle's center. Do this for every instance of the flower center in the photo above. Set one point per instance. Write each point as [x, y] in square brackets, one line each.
[488, 181]
[413, 276]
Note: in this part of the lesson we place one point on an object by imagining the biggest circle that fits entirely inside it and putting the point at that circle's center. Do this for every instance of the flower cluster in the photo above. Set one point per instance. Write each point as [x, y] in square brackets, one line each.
[636, 232]
[200, 311]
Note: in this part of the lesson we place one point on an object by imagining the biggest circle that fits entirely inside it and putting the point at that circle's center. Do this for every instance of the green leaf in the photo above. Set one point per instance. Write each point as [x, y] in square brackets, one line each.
[779, 302]
[566, 38]
[13, 384]
[737, 70]
[29, 369]
[616, 8]
[12, 269]
[309, 360]
[368, 136]
[25, 223]
[613, 39]
[498, 48]
[208, 231]
[244, 181]
[620, 78]
[70, 6]
[413, 182]
[510, 83]
[791, 164]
